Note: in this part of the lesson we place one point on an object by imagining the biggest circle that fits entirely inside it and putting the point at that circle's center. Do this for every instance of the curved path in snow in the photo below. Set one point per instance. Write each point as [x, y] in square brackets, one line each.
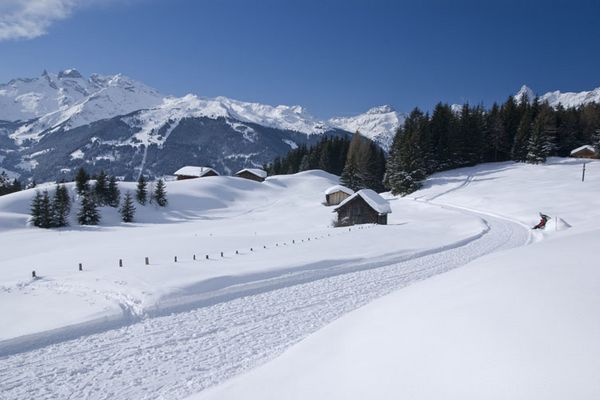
[172, 356]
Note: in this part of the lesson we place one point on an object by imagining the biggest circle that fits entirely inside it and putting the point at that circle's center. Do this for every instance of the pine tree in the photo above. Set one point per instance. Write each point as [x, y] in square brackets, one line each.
[101, 189]
[519, 149]
[113, 194]
[141, 193]
[36, 209]
[45, 217]
[160, 194]
[596, 140]
[88, 212]
[82, 181]
[127, 209]
[61, 206]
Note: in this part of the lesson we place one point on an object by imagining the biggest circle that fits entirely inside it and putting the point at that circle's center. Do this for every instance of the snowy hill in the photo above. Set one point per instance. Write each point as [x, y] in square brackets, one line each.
[52, 124]
[556, 98]
[516, 324]
[378, 124]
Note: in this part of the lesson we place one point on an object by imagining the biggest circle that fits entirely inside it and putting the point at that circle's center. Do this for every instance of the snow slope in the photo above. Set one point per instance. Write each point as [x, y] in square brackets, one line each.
[518, 324]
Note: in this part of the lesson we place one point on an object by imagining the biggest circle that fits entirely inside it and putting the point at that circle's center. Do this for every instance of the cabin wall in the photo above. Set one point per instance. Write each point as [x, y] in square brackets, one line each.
[584, 154]
[336, 198]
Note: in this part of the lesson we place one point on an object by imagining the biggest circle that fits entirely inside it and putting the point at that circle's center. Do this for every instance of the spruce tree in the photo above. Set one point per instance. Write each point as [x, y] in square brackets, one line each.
[160, 193]
[519, 149]
[113, 194]
[88, 211]
[101, 189]
[45, 211]
[61, 206]
[36, 209]
[127, 209]
[141, 193]
[82, 181]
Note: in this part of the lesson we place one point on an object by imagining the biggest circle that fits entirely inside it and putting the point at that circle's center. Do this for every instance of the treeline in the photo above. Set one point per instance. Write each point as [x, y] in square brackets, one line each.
[359, 161]
[52, 210]
[8, 186]
[524, 132]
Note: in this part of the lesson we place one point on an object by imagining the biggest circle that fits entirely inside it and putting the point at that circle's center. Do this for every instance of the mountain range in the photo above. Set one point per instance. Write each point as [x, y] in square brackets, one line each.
[53, 124]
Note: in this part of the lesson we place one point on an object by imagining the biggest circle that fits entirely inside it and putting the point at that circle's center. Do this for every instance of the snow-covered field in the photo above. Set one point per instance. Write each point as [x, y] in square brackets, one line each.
[172, 329]
[519, 324]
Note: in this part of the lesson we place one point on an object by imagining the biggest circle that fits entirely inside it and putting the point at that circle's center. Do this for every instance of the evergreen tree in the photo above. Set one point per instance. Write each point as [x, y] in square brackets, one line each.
[101, 189]
[519, 149]
[160, 193]
[45, 217]
[141, 193]
[61, 206]
[596, 140]
[405, 168]
[36, 209]
[82, 181]
[127, 209]
[88, 211]
[113, 194]
[304, 164]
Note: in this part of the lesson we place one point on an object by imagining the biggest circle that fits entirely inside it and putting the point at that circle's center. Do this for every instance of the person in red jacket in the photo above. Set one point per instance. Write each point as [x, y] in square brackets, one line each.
[542, 223]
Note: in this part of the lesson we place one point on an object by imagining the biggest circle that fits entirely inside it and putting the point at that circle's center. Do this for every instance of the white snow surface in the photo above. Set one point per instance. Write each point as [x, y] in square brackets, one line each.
[516, 324]
[377, 203]
[379, 124]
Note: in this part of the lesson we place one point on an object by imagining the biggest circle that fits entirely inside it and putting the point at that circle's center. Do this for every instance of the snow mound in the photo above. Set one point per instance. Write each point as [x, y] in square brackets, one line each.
[339, 188]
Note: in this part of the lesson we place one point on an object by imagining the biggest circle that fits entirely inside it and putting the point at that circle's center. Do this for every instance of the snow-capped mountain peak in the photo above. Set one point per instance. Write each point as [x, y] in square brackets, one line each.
[524, 91]
[556, 98]
[378, 123]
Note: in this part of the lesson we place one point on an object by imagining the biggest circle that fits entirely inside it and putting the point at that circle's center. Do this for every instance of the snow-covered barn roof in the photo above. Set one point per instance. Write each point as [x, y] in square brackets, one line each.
[190, 170]
[584, 147]
[339, 188]
[255, 171]
[375, 201]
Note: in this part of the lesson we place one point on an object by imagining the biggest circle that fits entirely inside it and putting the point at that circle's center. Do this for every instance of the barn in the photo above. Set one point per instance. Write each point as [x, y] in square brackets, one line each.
[586, 151]
[363, 207]
[191, 172]
[336, 194]
[254, 174]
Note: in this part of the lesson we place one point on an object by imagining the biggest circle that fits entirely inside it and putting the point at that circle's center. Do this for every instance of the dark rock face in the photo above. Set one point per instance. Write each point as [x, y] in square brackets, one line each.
[111, 144]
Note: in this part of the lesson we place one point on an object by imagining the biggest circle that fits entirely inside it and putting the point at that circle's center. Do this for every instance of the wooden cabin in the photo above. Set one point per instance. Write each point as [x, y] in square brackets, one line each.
[363, 207]
[254, 174]
[192, 172]
[586, 151]
[336, 194]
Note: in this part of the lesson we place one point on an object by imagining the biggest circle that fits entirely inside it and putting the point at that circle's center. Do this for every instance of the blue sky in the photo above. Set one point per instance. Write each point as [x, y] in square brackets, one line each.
[333, 57]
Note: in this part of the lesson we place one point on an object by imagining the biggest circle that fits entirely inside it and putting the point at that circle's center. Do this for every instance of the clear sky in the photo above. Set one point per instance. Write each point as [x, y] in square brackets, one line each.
[333, 57]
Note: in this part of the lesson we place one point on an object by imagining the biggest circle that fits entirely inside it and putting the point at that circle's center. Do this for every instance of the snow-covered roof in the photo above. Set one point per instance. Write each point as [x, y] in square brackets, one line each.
[584, 147]
[375, 201]
[256, 171]
[190, 170]
[339, 188]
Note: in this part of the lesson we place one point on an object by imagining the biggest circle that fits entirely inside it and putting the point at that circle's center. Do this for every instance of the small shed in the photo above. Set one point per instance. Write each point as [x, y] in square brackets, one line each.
[191, 172]
[363, 207]
[254, 174]
[336, 194]
[585, 151]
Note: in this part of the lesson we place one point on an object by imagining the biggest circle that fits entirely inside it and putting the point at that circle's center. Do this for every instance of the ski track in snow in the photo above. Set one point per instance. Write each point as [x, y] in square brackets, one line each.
[173, 356]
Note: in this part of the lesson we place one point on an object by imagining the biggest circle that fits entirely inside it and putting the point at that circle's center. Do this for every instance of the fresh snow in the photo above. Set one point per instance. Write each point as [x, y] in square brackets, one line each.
[584, 147]
[516, 324]
[556, 98]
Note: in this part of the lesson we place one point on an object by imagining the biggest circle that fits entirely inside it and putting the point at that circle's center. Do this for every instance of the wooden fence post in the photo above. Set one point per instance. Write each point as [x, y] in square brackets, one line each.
[80, 267]
[120, 262]
[147, 261]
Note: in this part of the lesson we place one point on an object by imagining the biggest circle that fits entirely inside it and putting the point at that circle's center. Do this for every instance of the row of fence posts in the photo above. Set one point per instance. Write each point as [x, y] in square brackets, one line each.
[147, 259]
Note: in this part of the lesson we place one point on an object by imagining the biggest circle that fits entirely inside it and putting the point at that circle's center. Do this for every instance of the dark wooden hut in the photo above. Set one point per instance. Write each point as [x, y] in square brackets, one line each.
[586, 151]
[254, 174]
[363, 207]
[336, 194]
[192, 172]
